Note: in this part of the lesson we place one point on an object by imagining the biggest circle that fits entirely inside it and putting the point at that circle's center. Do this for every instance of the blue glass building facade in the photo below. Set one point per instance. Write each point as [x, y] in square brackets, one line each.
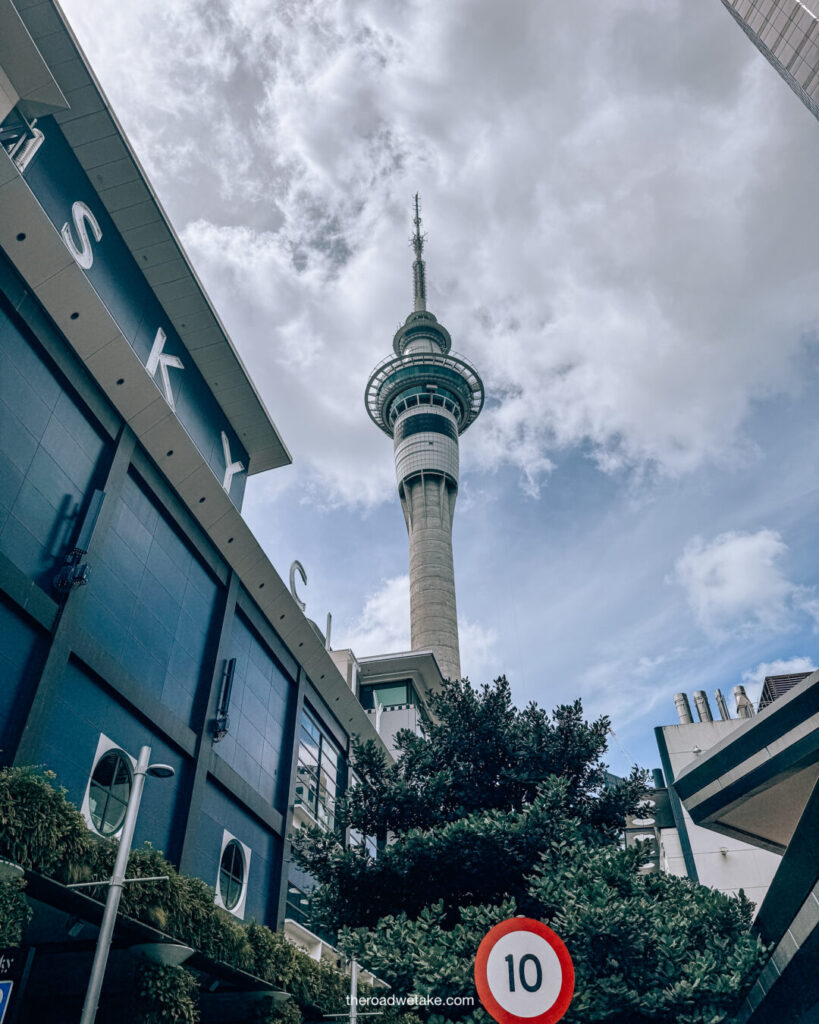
[138, 654]
[127, 431]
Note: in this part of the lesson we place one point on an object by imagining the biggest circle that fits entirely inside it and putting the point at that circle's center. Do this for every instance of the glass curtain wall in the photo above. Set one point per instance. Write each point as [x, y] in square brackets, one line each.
[320, 770]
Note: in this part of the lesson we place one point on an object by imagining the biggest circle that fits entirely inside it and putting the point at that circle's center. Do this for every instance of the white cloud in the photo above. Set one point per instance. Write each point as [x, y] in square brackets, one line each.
[479, 655]
[384, 627]
[624, 689]
[735, 584]
[755, 677]
[621, 239]
[384, 624]
[593, 197]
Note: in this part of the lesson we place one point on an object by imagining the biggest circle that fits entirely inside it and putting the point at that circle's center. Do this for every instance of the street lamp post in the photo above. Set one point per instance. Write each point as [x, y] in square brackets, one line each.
[92, 995]
[353, 991]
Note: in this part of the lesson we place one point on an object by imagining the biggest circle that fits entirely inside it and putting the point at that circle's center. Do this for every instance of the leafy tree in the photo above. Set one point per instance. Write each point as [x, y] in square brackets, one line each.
[496, 812]
[480, 752]
[464, 804]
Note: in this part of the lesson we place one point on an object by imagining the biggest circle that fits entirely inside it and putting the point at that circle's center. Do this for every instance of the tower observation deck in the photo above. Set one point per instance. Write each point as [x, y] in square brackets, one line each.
[424, 397]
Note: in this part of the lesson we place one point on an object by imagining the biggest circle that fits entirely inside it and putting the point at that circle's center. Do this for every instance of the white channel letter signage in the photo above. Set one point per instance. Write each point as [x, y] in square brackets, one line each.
[60, 184]
[231, 467]
[82, 216]
[162, 360]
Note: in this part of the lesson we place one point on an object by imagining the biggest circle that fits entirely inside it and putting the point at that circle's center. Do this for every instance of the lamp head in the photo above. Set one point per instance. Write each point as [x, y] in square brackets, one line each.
[161, 771]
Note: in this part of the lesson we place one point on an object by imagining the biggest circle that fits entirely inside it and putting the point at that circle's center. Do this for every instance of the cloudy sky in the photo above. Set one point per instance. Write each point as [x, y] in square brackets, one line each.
[622, 214]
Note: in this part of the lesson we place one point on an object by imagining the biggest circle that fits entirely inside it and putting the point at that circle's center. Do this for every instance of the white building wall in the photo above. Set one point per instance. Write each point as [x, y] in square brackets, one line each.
[722, 862]
[389, 721]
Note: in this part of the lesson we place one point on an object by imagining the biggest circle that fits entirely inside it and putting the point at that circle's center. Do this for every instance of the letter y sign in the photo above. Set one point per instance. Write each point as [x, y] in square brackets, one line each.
[231, 467]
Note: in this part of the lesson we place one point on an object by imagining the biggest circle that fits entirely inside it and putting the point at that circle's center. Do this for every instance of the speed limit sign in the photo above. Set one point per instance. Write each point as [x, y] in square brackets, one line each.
[523, 973]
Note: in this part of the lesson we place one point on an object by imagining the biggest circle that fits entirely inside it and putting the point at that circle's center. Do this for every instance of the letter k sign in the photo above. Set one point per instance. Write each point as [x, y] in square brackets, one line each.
[161, 360]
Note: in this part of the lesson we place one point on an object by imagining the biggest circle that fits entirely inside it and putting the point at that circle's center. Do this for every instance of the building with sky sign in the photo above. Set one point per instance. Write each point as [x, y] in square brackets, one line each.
[137, 607]
[622, 376]
[661, 222]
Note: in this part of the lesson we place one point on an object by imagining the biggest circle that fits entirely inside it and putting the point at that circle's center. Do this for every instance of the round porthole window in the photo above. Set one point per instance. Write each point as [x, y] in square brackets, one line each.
[232, 874]
[109, 791]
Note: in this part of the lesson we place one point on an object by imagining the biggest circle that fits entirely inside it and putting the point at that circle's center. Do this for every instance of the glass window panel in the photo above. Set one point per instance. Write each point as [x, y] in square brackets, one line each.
[109, 791]
[231, 874]
[318, 768]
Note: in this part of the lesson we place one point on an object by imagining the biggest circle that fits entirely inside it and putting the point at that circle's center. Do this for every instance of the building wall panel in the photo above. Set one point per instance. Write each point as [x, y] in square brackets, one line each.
[261, 712]
[19, 663]
[220, 813]
[151, 603]
[85, 709]
[51, 456]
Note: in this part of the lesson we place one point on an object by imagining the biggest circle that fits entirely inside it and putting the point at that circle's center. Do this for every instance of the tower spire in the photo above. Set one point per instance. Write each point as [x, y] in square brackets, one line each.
[424, 398]
[418, 267]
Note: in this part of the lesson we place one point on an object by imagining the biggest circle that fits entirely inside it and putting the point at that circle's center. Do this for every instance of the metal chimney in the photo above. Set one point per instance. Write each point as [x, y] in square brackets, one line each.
[683, 708]
[724, 714]
[745, 708]
[702, 706]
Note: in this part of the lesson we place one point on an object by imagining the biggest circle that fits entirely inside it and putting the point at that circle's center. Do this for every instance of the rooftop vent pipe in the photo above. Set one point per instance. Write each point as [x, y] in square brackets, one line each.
[723, 707]
[745, 708]
[683, 708]
[702, 706]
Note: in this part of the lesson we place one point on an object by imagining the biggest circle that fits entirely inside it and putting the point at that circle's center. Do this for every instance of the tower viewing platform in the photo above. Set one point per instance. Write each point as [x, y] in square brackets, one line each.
[424, 397]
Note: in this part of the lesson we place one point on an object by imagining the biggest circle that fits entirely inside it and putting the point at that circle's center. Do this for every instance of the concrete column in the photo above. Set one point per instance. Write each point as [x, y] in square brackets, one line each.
[428, 501]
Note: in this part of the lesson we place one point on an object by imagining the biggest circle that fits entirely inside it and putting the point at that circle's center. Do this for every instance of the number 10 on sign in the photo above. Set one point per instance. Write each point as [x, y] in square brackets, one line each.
[523, 973]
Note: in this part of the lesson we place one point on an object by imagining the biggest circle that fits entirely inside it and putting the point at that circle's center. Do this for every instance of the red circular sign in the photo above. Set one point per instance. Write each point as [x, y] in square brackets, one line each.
[523, 973]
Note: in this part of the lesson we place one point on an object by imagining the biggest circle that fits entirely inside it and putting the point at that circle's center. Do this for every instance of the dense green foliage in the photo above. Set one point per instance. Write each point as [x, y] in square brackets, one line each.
[497, 812]
[42, 831]
[464, 803]
[166, 995]
[14, 911]
[482, 753]
[484, 857]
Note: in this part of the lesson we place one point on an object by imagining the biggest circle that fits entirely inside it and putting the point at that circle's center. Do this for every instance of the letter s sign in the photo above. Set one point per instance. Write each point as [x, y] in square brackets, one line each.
[84, 255]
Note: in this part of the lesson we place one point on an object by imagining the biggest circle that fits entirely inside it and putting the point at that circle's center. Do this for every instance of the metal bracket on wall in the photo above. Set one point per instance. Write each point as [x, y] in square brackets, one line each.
[74, 572]
[222, 720]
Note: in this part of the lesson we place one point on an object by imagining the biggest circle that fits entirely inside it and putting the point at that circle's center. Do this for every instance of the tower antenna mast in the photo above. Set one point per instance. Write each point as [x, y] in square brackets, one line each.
[419, 279]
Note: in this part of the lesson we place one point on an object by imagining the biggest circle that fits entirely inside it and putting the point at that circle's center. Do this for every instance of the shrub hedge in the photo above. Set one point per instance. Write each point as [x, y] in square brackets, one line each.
[43, 832]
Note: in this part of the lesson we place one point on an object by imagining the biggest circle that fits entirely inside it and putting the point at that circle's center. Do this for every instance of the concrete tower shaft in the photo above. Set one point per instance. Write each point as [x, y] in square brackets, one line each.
[428, 503]
[425, 397]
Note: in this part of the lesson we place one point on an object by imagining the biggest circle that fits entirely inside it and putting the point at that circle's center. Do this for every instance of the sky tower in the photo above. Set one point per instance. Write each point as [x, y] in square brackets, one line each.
[424, 397]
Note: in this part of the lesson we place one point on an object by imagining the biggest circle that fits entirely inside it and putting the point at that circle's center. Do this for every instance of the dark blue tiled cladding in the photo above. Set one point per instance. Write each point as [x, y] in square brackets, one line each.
[221, 813]
[150, 603]
[57, 179]
[74, 722]
[260, 712]
[50, 458]
[20, 661]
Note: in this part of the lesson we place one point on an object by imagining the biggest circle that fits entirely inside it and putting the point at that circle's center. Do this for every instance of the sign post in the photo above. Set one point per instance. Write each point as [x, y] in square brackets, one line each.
[523, 973]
